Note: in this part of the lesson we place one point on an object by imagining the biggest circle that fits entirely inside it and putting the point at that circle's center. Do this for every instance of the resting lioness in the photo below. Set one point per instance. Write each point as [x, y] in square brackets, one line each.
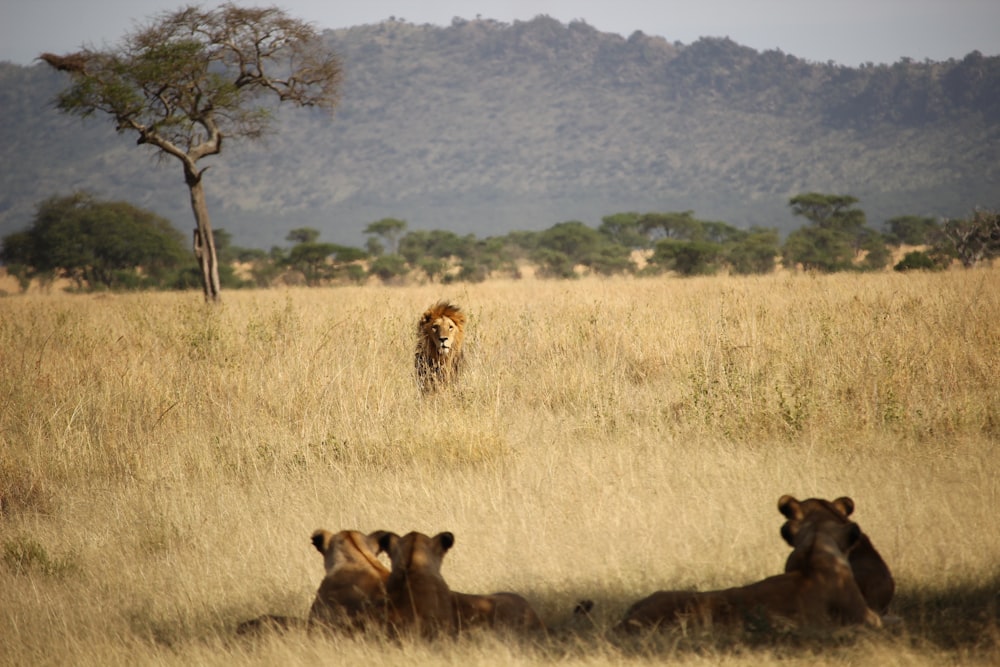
[420, 601]
[821, 592]
[352, 594]
[870, 571]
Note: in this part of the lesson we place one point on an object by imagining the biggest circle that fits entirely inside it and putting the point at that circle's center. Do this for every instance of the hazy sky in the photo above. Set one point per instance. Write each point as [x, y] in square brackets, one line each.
[849, 32]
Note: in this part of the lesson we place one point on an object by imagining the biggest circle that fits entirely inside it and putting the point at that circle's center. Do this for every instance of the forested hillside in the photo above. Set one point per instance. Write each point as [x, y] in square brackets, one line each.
[485, 127]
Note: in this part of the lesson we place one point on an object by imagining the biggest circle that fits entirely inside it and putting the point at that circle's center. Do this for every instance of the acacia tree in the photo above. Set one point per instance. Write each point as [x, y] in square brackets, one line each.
[675, 225]
[389, 229]
[193, 77]
[313, 258]
[838, 234]
[972, 240]
[834, 212]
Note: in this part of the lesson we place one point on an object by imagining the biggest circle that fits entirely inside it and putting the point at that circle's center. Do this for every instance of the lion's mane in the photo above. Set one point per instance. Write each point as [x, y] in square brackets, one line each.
[439, 353]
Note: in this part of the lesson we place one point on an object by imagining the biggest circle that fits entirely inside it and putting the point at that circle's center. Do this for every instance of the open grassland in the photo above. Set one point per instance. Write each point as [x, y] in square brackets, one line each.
[163, 463]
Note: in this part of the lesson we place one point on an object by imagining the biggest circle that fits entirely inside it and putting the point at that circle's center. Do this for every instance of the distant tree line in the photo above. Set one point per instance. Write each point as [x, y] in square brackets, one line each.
[116, 246]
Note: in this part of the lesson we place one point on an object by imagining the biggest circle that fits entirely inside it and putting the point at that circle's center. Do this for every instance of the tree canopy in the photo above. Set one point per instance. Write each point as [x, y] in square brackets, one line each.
[389, 229]
[838, 235]
[193, 77]
[973, 239]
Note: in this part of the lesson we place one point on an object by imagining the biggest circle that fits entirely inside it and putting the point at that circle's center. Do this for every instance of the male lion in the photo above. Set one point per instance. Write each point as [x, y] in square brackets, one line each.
[352, 594]
[870, 571]
[419, 598]
[821, 592]
[440, 334]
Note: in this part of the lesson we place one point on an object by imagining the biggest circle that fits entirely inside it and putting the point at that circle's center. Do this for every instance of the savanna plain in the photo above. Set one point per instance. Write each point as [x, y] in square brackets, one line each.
[163, 463]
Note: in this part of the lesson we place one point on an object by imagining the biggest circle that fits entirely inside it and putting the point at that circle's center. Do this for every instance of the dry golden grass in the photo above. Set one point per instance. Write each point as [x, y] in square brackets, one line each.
[163, 464]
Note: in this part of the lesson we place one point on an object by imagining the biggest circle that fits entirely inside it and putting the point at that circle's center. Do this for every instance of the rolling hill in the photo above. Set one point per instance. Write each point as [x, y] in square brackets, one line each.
[485, 127]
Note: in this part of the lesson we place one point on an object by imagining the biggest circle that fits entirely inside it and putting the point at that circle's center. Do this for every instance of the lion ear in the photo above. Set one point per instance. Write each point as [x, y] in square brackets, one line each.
[387, 540]
[790, 507]
[845, 505]
[375, 541]
[853, 535]
[321, 540]
[446, 540]
[788, 531]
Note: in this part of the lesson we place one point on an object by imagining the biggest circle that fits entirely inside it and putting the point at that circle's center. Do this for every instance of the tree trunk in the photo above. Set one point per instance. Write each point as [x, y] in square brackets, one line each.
[204, 240]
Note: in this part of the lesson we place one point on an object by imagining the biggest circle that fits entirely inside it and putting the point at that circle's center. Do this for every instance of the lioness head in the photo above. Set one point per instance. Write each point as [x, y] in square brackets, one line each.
[419, 598]
[416, 552]
[349, 547]
[816, 508]
[803, 535]
[352, 593]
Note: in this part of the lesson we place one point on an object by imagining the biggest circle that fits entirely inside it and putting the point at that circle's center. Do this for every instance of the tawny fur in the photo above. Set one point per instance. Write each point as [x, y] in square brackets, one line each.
[439, 353]
[352, 595]
[420, 601]
[870, 570]
[498, 611]
[822, 593]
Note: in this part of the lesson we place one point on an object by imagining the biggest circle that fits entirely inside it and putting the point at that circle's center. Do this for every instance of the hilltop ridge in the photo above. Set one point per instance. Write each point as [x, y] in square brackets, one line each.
[486, 127]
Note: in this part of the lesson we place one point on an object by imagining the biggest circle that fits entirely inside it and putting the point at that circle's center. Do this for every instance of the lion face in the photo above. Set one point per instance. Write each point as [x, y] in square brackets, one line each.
[441, 330]
[870, 570]
[440, 334]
